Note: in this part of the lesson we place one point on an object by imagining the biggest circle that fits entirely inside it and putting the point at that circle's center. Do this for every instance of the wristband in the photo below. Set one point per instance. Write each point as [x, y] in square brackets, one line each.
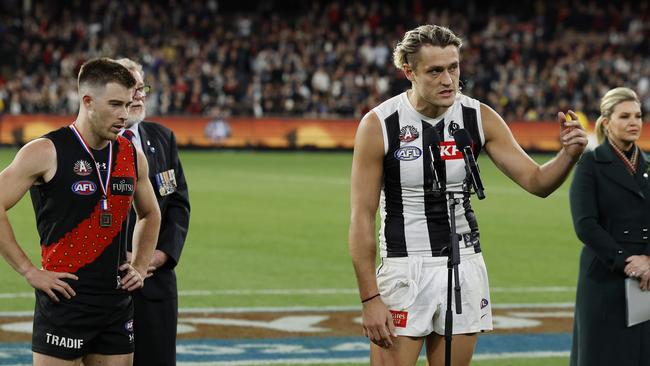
[370, 298]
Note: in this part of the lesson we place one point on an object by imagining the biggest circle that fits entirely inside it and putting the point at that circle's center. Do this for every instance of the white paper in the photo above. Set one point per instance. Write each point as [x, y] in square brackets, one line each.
[638, 302]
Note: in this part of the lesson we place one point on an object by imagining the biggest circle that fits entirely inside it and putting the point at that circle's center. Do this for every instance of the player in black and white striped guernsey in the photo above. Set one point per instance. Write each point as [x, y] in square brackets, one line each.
[404, 301]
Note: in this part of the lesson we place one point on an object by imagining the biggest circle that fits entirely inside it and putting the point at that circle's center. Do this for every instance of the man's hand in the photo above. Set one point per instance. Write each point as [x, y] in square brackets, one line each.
[49, 282]
[158, 259]
[134, 278]
[572, 136]
[378, 323]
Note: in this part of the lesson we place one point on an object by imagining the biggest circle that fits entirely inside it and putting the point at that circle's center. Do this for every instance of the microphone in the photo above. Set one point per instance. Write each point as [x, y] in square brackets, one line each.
[464, 144]
[437, 164]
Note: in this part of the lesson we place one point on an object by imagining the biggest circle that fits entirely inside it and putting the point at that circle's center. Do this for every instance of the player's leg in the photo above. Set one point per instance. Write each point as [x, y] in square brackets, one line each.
[462, 349]
[475, 317]
[95, 359]
[404, 352]
[39, 359]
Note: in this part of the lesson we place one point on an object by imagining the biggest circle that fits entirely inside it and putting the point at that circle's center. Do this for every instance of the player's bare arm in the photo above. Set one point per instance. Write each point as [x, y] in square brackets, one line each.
[35, 163]
[367, 171]
[511, 159]
[145, 233]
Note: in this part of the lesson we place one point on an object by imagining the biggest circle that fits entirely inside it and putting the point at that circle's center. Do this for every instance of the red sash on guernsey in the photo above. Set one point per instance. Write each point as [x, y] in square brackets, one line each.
[83, 244]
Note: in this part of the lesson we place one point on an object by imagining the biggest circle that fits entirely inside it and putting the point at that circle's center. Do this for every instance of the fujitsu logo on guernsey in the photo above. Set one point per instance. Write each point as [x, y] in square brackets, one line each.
[407, 153]
[72, 343]
[408, 133]
[122, 186]
[84, 187]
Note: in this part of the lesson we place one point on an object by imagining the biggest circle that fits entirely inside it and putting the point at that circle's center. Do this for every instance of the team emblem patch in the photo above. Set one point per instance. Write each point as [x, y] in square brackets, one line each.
[399, 318]
[84, 187]
[407, 153]
[408, 133]
[128, 326]
[484, 303]
[453, 126]
[83, 168]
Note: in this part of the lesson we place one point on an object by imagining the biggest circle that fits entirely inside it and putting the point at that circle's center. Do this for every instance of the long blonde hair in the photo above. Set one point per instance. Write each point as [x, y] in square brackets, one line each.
[607, 104]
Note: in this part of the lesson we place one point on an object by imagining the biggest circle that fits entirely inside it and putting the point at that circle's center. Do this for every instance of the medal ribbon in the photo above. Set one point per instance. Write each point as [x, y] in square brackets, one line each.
[104, 186]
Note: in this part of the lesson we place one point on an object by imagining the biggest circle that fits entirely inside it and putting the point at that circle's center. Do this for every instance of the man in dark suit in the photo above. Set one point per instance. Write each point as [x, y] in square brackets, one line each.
[156, 305]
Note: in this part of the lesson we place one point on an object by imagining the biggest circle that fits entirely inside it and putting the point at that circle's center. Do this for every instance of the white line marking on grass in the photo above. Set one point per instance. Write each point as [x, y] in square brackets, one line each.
[309, 291]
[543, 314]
[16, 314]
[298, 309]
[17, 295]
[331, 291]
[254, 292]
[506, 355]
[534, 289]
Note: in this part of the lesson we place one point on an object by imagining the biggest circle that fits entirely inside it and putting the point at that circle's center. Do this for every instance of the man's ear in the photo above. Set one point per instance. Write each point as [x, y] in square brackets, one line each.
[408, 71]
[87, 100]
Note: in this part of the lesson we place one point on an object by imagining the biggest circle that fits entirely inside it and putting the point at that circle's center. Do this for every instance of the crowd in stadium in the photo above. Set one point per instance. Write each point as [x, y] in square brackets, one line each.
[324, 59]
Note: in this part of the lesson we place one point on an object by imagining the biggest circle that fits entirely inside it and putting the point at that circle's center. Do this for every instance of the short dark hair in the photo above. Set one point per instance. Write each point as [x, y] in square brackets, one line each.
[101, 71]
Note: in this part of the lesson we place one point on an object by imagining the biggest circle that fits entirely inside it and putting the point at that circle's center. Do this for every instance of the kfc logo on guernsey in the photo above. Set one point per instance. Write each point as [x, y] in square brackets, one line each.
[84, 187]
[71, 343]
[122, 186]
[83, 168]
[408, 153]
[399, 318]
[408, 133]
[449, 151]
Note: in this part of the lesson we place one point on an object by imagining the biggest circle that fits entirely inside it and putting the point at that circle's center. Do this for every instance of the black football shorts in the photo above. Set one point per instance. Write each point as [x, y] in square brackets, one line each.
[83, 325]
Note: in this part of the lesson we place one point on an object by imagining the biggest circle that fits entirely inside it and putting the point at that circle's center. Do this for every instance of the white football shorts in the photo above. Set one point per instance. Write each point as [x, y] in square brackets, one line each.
[415, 291]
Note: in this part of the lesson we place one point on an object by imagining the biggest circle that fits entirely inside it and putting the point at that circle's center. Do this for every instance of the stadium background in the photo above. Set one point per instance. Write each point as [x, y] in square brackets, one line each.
[265, 277]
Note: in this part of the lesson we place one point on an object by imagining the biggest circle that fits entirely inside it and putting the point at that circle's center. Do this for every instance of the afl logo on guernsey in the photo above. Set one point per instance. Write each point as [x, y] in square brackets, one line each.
[408, 133]
[407, 153]
[83, 168]
[84, 187]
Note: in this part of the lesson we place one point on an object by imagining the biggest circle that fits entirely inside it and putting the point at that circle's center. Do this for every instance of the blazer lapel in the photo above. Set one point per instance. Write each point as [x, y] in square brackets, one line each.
[144, 140]
[642, 173]
[614, 169]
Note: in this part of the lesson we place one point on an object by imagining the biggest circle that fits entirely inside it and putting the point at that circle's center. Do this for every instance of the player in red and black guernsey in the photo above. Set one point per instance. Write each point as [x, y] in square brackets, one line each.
[83, 180]
[404, 299]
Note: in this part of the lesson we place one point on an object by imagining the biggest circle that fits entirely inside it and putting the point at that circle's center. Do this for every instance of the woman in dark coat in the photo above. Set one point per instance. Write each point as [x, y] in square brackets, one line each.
[610, 205]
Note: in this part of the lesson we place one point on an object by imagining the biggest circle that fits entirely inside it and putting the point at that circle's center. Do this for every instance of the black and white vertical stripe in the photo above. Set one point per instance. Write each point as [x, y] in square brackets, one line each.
[414, 218]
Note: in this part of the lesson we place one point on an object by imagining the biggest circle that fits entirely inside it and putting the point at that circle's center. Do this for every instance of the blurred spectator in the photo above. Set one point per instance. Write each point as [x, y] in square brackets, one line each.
[321, 59]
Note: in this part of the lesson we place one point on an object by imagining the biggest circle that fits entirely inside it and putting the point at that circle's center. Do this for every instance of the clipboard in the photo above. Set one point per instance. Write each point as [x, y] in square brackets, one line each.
[638, 302]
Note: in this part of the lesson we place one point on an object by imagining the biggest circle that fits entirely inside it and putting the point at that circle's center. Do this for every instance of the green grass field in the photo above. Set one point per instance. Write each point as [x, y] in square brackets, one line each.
[279, 220]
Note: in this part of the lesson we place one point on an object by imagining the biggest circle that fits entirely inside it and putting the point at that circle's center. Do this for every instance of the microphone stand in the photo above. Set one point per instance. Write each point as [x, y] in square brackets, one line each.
[453, 252]
[452, 270]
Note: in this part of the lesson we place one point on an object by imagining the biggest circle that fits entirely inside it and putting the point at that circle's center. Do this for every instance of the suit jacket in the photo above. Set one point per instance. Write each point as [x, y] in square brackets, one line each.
[611, 215]
[159, 147]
